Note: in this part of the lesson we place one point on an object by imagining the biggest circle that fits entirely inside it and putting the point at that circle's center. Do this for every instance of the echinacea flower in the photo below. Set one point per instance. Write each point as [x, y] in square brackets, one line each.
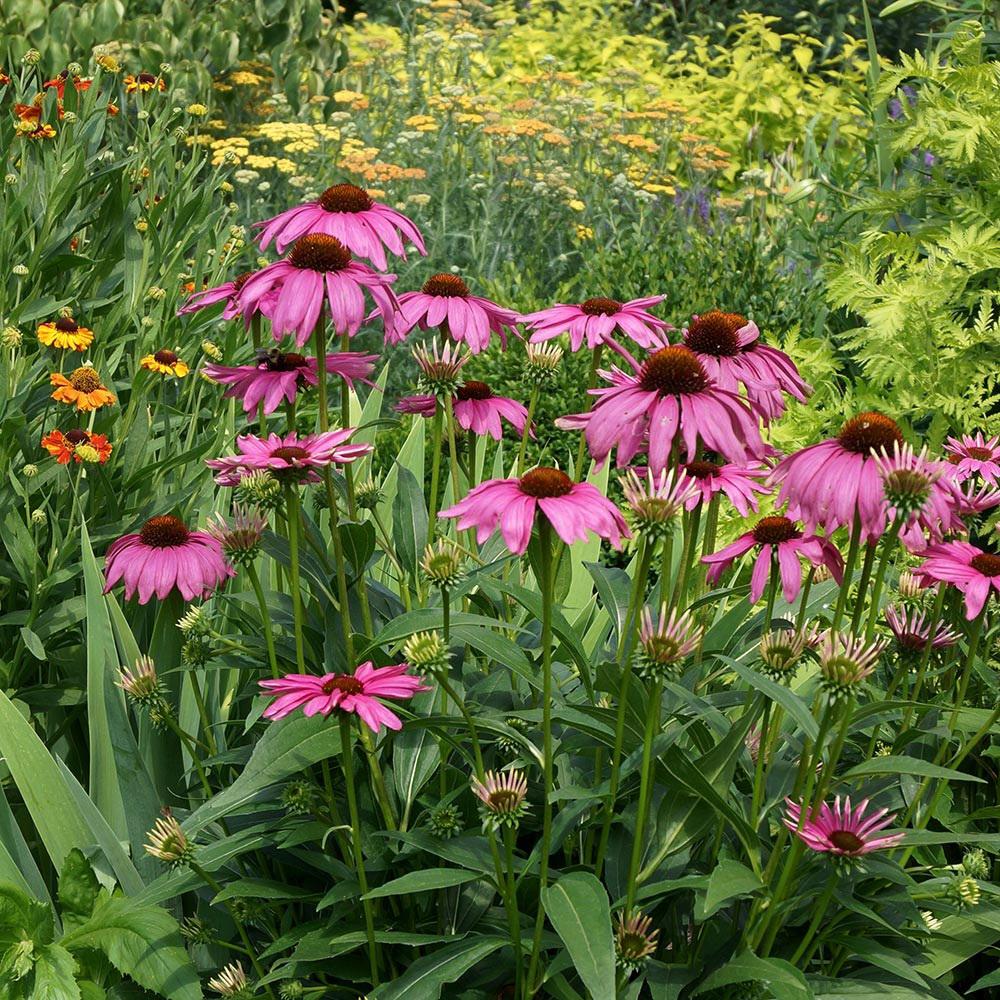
[655, 501]
[828, 484]
[420, 405]
[780, 538]
[841, 830]
[83, 389]
[318, 271]
[512, 505]
[445, 299]
[741, 484]
[503, 798]
[666, 642]
[73, 444]
[975, 455]
[167, 841]
[478, 410]
[357, 693]
[366, 227]
[440, 368]
[291, 457]
[595, 321]
[230, 982]
[278, 377]
[240, 539]
[732, 352]
[846, 661]
[972, 501]
[165, 363]
[227, 292]
[163, 556]
[143, 83]
[65, 334]
[635, 940]
[914, 632]
[974, 572]
[907, 480]
[781, 651]
[670, 400]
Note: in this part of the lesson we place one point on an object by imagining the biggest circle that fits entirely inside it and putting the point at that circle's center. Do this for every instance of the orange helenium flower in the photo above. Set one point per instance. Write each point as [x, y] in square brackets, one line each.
[66, 447]
[65, 334]
[165, 363]
[83, 389]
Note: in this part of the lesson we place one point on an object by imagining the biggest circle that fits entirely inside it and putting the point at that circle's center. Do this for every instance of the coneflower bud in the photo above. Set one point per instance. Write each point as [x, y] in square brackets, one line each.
[368, 495]
[635, 941]
[845, 662]
[442, 564]
[542, 363]
[231, 982]
[502, 796]
[907, 478]
[427, 652]
[780, 653]
[292, 990]
[299, 797]
[240, 540]
[142, 685]
[259, 489]
[168, 842]
[976, 864]
[508, 745]
[39, 518]
[909, 586]
[966, 891]
[29, 471]
[11, 337]
[195, 930]
[212, 350]
[655, 501]
[445, 822]
[197, 651]
[440, 369]
[664, 645]
[195, 621]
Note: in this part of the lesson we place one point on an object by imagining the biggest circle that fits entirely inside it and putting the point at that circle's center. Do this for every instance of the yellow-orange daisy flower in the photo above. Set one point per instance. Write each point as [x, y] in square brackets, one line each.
[165, 363]
[83, 389]
[77, 445]
[143, 82]
[65, 334]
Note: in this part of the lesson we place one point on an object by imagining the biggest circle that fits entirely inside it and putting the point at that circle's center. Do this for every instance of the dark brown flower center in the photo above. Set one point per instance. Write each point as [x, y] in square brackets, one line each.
[241, 280]
[289, 453]
[715, 333]
[164, 532]
[870, 434]
[673, 370]
[544, 482]
[85, 380]
[474, 390]
[66, 325]
[165, 357]
[986, 563]
[600, 307]
[504, 800]
[346, 683]
[319, 252]
[146, 78]
[702, 470]
[76, 436]
[844, 840]
[979, 454]
[450, 286]
[285, 362]
[913, 641]
[773, 530]
[346, 198]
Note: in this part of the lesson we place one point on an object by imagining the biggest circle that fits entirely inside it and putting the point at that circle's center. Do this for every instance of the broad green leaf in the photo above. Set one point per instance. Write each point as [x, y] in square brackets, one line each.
[409, 521]
[778, 693]
[55, 975]
[577, 907]
[729, 880]
[415, 754]
[78, 886]
[424, 979]
[16, 862]
[783, 979]
[422, 881]
[908, 765]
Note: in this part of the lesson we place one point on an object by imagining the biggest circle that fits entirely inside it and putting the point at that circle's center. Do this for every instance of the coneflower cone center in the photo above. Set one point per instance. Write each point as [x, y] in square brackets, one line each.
[870, 434]
[164, 532]
[346, 198]
[345, 683]
[285, 362]
[474, 390]
[66, 325]
[600, 307]
[986, 563]
[165, 357]
[449, 286]
[85, 380]
[319, 252]
[715, 333]
[545, 482]
[289, 453]
[76, 436]
[774, 530]
[240, 280]
[703, 470]
[913, 641]
[146, 78]
[979, 454]
[844, 840]
[672, 371]
[504, 800]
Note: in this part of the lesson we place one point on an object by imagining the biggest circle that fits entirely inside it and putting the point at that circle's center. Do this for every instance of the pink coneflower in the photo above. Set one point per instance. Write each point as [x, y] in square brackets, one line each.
[419, 405]
[319, 269]
[503, 798]
[446, 299]
[366, 227]
[730, 347]
[907, 480]
[783, 538]
[292, 457]
[440, 368]
[596, 320]
[974, 572]
[915, 632]
[478, 410]
[977, 501]
[826, 484]
[358, 693]
[975, 455]
[669, 400]
[666, 642]
[163, 556]
[841, 830]
[227, 292]
[278, 377]
[573, 509]
[655, 501]
[845, 661]
[741, 484]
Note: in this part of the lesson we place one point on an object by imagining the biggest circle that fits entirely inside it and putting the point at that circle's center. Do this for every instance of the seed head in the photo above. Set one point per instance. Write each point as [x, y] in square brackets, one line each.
[442, 564]
[426, 651]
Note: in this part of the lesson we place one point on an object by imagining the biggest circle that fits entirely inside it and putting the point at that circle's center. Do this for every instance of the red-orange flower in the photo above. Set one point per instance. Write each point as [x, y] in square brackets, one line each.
[77, 445]
[58, 83]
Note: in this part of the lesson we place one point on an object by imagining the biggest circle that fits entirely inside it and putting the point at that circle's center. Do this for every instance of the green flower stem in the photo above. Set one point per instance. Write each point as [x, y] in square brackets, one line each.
[436, 433]
[265, 618]
[888, 544]
[804, 599]
[871, 548]
[513, 914]
[345, 421]
[192, 746]
[342, 595]
[759, 769]
[849, 566]
[689, 554]
[347, 757]
[935, 620]
[522, 450]
[453, 452]
[595, 363]
[206, 722]
[473, 446]
[805, 947]
[294, 527]
[546, 584]
[772, 590]
[654, 710]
